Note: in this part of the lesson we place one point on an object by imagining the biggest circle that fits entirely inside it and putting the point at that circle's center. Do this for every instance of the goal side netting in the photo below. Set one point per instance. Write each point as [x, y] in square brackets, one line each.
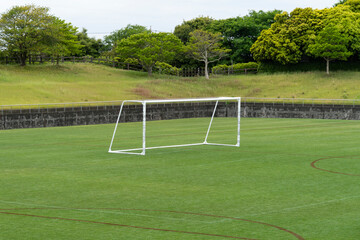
[151, 124]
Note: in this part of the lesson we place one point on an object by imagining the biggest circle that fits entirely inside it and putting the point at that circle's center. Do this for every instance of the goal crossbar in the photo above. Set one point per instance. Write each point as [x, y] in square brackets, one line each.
[144, 102]
[184, 100]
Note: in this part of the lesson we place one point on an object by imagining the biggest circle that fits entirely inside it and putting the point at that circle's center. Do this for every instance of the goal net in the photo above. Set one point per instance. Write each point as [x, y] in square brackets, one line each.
[152, 124]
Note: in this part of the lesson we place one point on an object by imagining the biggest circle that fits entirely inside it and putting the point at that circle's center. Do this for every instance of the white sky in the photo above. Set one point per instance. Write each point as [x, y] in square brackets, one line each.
[101, 17]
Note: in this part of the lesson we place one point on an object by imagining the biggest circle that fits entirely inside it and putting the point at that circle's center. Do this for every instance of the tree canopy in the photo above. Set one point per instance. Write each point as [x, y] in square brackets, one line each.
[149, 48]
[287, 38]
[62, 40]
[183, 30]
[111, 40]
[330, 44]
[29, 29]
[205, 46]
[91, 46]
[340, 2]
[307, 33]
[240, 33]
[273, 37]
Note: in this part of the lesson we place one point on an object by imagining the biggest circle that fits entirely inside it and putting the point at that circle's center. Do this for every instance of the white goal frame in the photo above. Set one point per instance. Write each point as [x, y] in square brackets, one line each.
[144, 102]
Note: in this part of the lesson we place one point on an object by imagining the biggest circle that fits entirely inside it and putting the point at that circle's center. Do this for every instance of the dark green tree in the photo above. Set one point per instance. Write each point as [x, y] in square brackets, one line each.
[183, 30]
[340, 2]
[91, 46]
[149, 48]
[111, 40]
[240, 33]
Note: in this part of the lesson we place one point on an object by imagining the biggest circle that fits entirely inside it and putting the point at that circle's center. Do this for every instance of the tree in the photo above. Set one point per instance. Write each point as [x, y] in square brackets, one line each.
[183, 31]
[330, 44]
[23, 29]
[149, 48]
[287, 39]
[91, 46]
[353, 4]
[63, 40]
[240, 33]
[26, 30]
[205, 46]
[111, 40]
[347, 20]
[339, 39]
[340, 2]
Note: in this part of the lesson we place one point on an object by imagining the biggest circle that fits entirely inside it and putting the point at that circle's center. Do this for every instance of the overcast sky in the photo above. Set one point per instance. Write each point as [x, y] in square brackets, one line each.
[101, 17]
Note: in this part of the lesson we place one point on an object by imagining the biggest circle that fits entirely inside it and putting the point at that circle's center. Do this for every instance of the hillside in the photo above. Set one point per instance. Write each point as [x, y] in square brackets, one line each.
[90, 82]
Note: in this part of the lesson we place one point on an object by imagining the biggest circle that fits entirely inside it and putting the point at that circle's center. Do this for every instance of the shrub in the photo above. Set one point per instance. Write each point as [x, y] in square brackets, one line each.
[271, 67]
[238, 67]
[220, 68]
[131, 61]
[245, 65]
[165, 68]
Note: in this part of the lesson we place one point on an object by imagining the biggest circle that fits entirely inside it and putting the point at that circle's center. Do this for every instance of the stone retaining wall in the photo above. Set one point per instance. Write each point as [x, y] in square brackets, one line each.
[33, 118]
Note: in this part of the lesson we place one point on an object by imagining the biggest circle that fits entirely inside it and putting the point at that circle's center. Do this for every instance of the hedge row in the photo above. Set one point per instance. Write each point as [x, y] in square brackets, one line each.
[271, 67]
[233, 68]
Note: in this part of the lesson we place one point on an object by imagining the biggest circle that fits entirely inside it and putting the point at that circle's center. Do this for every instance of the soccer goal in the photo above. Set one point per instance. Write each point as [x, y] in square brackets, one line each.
[174, 123]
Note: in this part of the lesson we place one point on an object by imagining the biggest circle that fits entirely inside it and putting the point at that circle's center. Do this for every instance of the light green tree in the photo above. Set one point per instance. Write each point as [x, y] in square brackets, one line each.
[61, 40]
[353, 4]
[287, 39]
[347, 21]
[340, 38]
[149, 48]
[205, 46]
[22, 30]
[331, 44]
[300, 35]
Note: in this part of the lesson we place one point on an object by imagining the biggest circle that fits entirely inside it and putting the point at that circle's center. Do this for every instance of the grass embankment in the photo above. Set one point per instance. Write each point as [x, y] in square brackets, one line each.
[66, 83]
[90, 82]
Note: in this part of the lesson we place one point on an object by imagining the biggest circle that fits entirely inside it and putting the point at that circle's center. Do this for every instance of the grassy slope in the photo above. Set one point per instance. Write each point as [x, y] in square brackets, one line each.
[268, 179]
[65, 83]
[86, 82]
[339, 85]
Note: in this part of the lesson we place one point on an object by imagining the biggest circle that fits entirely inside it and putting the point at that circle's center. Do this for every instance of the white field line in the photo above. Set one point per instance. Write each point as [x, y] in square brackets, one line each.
[217, 163]
[185, 219]
[307, 205]
[105, 211]
[290, 208]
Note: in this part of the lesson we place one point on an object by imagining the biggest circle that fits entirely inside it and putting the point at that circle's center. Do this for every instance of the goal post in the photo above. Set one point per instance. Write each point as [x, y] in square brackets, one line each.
[142, 106]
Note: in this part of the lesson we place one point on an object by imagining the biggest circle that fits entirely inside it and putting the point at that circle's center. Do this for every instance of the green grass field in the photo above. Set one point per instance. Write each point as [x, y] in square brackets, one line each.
[290, 179]
[89, 82]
